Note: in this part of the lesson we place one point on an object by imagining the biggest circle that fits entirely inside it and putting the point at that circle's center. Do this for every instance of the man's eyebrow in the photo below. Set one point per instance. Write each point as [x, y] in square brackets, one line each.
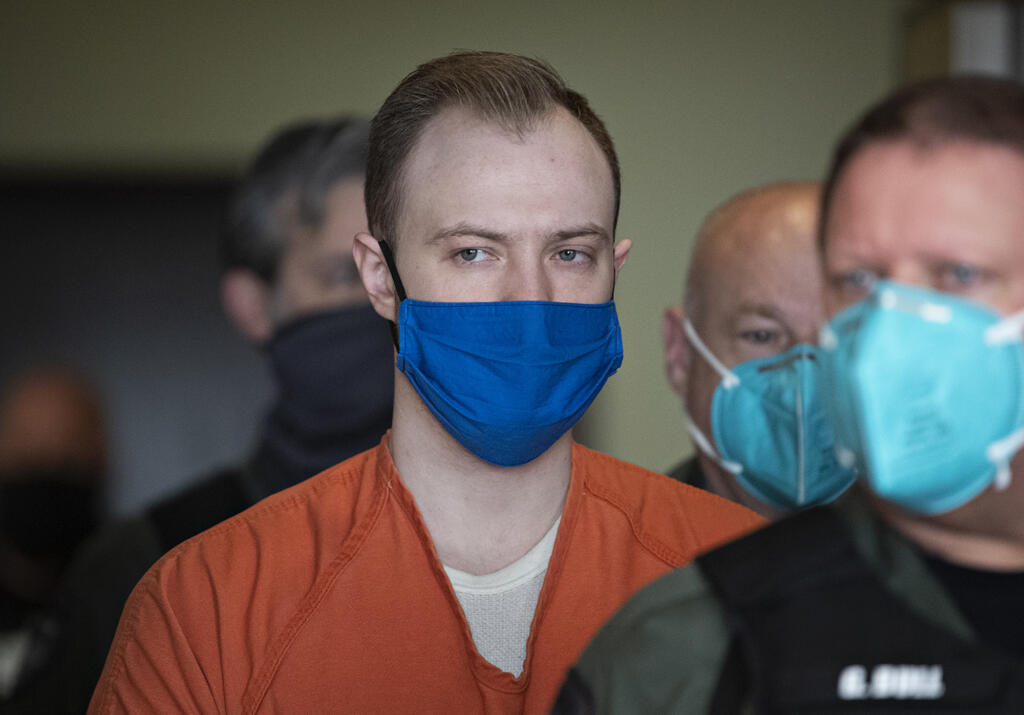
[466, 229]
[587, 229]
[765, 310]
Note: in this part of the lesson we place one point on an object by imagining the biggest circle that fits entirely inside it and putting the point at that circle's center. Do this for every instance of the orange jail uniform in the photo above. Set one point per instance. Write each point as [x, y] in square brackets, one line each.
[330, 597]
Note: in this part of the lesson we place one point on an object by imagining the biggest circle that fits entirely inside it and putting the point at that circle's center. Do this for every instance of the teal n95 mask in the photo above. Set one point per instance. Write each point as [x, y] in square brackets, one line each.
[926, 392]
[770, 427]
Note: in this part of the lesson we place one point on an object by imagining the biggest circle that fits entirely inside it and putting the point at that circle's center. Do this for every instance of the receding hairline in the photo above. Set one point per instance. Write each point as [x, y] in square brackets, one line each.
[930, 114]
[454, 107]
[513, 91]
[518, 130]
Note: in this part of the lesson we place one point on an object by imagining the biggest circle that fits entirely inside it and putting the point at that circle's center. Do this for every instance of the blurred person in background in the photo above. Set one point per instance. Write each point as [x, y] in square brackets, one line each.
[740, 352]
[908, 600]
[290, 286]
[53, 462]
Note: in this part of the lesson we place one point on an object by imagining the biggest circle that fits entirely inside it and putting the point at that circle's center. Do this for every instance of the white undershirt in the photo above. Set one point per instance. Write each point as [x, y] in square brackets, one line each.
[499, 606]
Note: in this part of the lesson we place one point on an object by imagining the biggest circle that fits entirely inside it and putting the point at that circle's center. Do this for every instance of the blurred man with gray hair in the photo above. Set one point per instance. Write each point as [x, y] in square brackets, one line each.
[290, 286]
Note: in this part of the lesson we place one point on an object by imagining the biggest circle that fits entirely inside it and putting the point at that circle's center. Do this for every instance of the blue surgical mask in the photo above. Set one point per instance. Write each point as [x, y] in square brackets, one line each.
[927, 395]
[770, 426]
[506, 379]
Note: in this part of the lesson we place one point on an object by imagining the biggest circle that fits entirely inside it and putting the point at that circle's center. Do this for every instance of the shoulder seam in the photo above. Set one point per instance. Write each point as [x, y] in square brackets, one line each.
[279, 504]
[656, 547]
[696, 498]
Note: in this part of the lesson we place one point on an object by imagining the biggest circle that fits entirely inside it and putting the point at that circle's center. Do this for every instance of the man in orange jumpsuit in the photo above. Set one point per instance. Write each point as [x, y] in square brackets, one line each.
[462, 564]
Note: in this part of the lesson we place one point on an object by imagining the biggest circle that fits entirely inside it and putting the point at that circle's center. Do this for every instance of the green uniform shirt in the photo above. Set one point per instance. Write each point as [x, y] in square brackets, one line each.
[663, 651]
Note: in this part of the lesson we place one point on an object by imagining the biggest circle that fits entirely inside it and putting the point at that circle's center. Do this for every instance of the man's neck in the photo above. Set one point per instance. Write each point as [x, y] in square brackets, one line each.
[987, 533]
[724, 484]
[481, 517]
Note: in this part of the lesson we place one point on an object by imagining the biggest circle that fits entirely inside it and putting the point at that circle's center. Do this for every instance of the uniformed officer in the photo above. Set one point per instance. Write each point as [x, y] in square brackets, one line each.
[909, 600]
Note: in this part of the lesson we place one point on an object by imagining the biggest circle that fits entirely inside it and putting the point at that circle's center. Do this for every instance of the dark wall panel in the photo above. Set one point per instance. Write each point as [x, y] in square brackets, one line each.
[119, 279]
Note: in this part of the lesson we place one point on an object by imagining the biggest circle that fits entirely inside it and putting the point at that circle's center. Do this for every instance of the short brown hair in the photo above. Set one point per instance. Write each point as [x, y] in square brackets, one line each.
[931, 113]
[509, 90]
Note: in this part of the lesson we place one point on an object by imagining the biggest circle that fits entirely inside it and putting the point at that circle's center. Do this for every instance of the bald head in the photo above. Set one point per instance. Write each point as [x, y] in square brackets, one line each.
[51, 418]
[753, 289]
[777, 220]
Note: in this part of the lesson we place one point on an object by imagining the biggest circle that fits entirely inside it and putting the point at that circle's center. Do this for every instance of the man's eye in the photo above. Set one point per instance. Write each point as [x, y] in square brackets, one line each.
[759, 337]
[567, 254]
[957, 276]
[469, 254]
[857, 281]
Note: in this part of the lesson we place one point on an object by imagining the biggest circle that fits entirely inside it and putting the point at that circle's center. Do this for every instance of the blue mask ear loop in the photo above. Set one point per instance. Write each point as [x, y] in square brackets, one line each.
[389, 259]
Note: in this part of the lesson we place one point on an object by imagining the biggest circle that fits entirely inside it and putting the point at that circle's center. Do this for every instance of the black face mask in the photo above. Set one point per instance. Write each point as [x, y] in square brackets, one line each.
[335, 375]
[48, 513]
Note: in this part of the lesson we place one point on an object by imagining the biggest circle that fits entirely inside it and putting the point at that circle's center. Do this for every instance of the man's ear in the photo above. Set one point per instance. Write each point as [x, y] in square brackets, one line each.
[621, 252]
[678, 355]
[246, 298]
[373, 270]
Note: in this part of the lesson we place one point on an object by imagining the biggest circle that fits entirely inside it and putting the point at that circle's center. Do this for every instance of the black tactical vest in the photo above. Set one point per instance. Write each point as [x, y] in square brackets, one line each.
[817, 632]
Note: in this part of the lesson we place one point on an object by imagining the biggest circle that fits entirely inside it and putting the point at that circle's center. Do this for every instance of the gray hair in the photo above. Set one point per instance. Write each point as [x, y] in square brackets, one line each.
[286, 187]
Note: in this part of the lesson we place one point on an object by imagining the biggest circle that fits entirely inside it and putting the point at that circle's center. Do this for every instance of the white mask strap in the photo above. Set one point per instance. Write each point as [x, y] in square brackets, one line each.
[827, 338]
[704, 445]
[891, 299]
[729, 379]
[1001, 452]
[1007, 330]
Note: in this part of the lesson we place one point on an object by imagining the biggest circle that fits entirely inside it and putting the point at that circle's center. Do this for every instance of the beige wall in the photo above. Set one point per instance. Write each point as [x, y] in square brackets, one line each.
[703, 98]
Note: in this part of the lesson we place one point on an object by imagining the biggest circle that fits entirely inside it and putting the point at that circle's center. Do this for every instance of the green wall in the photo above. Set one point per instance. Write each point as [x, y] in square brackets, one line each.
[703, 98]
